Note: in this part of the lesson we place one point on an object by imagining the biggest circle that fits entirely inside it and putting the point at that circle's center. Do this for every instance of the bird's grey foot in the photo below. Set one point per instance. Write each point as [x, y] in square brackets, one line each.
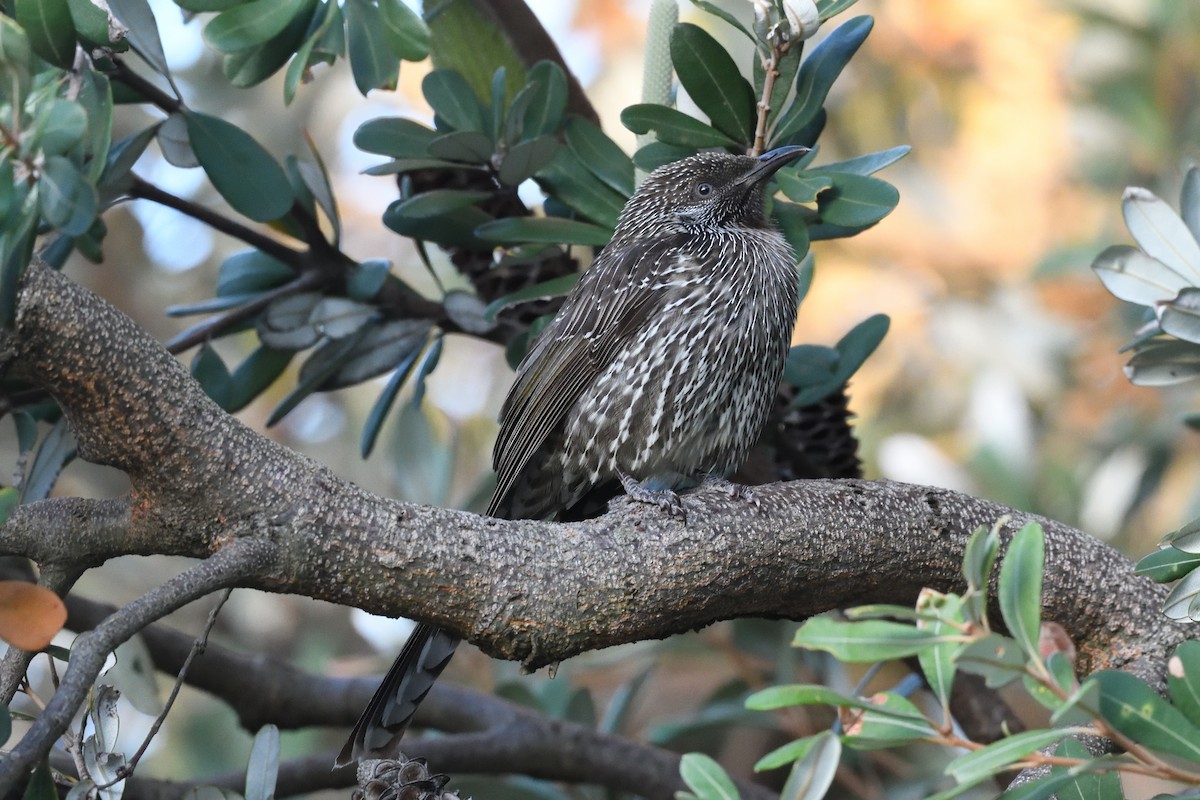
[665, 499]
[738, 491]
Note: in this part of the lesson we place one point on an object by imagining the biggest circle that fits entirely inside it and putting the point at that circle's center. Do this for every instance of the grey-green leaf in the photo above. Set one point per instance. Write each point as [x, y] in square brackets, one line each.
[706, 778]
[816, 77]
[1160, 232]
[372, 61]
[1132, 275]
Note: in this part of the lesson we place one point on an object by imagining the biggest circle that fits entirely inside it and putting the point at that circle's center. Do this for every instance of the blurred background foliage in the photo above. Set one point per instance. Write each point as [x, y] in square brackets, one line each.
[1000, 375]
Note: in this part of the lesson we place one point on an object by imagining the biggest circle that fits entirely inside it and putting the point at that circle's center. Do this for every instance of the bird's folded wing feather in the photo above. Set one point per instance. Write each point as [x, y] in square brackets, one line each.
[572, 352]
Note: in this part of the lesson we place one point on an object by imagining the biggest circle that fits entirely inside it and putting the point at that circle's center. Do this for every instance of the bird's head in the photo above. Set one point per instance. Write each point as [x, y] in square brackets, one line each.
[704, 190]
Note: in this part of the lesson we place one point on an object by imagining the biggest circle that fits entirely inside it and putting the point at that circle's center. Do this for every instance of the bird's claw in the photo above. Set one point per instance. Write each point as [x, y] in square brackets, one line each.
[737, 491]
[665, 499]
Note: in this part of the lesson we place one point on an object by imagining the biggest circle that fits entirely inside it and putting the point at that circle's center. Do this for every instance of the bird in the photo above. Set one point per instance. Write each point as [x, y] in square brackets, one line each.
[658, 371]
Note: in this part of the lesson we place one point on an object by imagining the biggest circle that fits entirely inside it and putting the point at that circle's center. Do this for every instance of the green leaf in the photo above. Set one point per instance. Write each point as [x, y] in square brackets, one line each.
[526, 158]
[712, 80]
[815, 770]
[383, 347]
[937, 662]
[600, 154]
[706, 778]
[428, 364]
[65, 125]
[555, 287]
[856, 201]
[285, 325]
[1183, 679]
[41, 784]
[569, 182]
[1160, 232]
[471, 147]
[802, 694]
[251, 24]
[549, 230]
[544, 112]
[868, 164]
[68, 201]
[1135, 710]
[16, 59]
[372, 61]
[852, 350]
[95, 96]
[454, 228]
[243, 172]
[396, 137]
[143, 35]
[254, 375]
[10, 498]
[872, 640]
[792, 751]
[325, 18]
[454, 101]
[803, 187]
[793, 222]
[95, 25]
[1020, 587]
[653, 155]
[263, 768]
[998, 756]
[978, 561]
[437, 202]
[1085, 785]
[250, 272]
[49, 29]
[717, 11]
[816, 77]
[1133, 276]
[673, 127]
[406, 33]
[383, 404]
[323, 363]
[367, 278]
[889, 720]
[997, 658]
[55, 452]
[252, 66]
[209, 371]
[1168, 564]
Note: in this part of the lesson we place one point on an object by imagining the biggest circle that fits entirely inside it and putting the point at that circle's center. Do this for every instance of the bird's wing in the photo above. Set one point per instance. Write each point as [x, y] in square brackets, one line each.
[572, 352]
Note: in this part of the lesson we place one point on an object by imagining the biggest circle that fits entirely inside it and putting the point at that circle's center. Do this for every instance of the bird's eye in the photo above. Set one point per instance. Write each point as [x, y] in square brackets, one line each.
[703, 189]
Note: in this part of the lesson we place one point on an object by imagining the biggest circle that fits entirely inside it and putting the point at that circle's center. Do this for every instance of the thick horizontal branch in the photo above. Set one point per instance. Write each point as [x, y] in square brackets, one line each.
[536, 592]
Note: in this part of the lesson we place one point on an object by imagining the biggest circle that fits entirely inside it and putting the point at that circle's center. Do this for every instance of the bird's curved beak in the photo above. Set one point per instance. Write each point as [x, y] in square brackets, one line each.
[771, 162]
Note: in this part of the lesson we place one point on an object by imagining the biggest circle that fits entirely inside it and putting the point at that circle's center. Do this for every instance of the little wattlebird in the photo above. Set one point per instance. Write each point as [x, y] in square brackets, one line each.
[658, 371]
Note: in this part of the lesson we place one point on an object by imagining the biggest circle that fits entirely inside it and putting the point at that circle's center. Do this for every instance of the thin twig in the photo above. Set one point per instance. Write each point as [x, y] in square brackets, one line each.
[125, 770]
[232, 565]
[275, 249]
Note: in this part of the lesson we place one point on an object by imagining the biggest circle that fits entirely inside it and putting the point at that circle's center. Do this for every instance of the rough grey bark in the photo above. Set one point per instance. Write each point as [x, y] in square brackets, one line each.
[535, 592]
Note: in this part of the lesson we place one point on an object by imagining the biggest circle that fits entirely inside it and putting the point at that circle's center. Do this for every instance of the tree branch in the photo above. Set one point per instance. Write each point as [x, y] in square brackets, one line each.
[489, 735]
[532, 591]
[239, 559]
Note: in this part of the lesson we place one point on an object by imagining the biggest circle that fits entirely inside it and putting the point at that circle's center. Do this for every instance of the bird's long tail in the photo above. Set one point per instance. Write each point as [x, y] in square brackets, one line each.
[377, 732]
